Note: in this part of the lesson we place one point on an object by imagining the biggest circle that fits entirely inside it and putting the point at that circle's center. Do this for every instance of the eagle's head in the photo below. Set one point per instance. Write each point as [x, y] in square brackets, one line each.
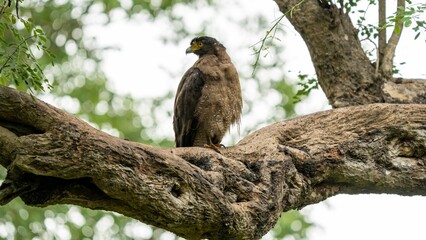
[203, 45]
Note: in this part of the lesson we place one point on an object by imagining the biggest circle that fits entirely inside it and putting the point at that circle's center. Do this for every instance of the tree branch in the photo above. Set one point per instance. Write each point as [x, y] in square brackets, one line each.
[382, 32]
[387, 63]
[344, 71]
[335, 50]
[198, 193]
[405, 91]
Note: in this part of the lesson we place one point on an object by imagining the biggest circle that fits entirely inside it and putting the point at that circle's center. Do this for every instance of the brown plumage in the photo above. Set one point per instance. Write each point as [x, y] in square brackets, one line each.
[208, 99]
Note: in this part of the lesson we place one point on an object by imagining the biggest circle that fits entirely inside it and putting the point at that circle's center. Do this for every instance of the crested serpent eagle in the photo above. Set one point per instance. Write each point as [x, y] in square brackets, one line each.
[208, 99]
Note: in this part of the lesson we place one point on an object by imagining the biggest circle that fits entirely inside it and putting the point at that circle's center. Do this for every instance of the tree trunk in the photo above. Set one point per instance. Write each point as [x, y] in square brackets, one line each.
[53, 157]
[344, 71]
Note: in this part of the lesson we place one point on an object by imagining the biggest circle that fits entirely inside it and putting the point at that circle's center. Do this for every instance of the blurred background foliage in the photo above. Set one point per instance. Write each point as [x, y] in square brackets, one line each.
[60, 52]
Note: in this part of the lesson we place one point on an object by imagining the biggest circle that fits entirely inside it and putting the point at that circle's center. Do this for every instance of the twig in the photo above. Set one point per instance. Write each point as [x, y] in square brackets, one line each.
[263, 41]
[14, 51]
[17, 8]
[3, 8]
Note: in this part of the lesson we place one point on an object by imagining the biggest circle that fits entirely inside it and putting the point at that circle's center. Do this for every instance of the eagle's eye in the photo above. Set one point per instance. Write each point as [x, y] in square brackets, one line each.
[195, 46]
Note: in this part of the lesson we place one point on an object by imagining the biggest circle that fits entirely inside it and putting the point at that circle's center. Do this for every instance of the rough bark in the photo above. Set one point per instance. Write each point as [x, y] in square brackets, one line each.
[344, 71]
[53, 157]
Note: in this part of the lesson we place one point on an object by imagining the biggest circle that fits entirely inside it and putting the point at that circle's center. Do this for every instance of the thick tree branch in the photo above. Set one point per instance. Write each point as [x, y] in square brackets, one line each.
[198, 193]
[344, 71]
[405, 91]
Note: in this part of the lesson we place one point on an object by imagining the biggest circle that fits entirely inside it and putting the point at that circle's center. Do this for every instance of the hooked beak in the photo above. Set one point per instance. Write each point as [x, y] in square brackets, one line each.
[189, 50]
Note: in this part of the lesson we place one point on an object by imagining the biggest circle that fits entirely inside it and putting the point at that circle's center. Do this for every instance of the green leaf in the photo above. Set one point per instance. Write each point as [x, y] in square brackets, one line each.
[407, 23]
[27, 25]
[42, 38]
[13, 19]
[417, 36]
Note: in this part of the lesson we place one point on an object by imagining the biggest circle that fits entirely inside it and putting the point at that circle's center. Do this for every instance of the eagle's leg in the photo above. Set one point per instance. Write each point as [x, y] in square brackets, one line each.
[213, 146]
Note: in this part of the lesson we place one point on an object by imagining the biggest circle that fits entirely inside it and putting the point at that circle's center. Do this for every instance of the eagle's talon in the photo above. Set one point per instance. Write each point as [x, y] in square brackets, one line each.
[214, 147]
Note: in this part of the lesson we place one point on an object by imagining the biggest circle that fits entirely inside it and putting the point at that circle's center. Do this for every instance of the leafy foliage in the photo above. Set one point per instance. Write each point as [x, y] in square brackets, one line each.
[68, 222]
[291, 223]
[307, 83]
[410, 16]
[18, 64]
